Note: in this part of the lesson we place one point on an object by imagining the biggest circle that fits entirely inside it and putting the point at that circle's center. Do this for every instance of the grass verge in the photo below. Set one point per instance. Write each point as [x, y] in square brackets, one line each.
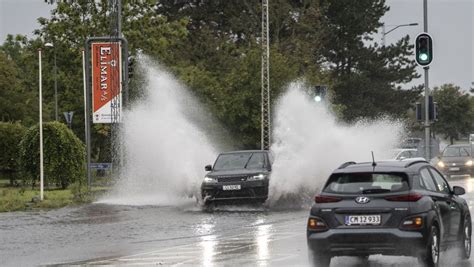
[22, 199]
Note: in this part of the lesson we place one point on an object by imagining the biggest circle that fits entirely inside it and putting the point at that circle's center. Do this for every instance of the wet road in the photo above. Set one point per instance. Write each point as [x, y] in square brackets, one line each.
[101, 234]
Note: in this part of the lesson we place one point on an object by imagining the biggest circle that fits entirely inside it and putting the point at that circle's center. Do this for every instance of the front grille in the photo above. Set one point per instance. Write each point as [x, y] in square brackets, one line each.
[245, 192]
[226, 179]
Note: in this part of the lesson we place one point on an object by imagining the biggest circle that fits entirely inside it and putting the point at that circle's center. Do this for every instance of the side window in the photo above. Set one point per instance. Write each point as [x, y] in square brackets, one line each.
[426, 181]
[441, 184]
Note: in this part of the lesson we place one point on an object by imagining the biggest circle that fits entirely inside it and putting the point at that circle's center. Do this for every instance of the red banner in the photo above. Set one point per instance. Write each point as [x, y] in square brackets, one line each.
[106, 81]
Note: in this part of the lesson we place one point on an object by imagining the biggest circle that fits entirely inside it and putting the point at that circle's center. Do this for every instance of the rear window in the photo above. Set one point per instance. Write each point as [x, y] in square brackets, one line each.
[366, 183]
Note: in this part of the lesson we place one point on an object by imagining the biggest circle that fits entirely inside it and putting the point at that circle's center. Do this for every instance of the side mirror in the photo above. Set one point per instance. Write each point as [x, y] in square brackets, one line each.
[208, 168]
[457, 190]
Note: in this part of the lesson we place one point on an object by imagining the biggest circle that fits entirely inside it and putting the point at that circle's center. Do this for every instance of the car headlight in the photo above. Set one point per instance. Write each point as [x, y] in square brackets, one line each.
[257, 177]
[469, 163]
[210, 180]
[441, 164]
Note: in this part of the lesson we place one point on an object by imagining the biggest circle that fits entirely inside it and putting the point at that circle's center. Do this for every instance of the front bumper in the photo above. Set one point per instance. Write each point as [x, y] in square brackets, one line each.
[249, 190]
[365, 241]
[457, 170]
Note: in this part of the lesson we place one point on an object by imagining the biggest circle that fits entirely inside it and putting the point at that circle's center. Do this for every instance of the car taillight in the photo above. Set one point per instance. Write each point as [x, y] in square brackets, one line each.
[412, 223]
[316, 224]
[406, 198]
[326, 199]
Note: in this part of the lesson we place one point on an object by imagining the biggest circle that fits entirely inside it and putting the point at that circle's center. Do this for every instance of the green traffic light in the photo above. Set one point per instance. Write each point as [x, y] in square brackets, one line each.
[317, 98]
[423, 57]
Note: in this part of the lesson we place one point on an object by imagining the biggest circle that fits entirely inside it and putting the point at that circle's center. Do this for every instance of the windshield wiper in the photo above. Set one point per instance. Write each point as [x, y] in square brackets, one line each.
[245, 166]
[376, 191]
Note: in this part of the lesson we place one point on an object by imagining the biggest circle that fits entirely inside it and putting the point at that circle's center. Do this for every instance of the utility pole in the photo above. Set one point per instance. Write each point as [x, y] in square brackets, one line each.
[266, 123]
[427, 90]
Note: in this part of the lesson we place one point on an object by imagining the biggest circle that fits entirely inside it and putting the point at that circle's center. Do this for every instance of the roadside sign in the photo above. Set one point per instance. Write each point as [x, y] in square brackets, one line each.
[101, 166]
[106, 81]
[68, 116]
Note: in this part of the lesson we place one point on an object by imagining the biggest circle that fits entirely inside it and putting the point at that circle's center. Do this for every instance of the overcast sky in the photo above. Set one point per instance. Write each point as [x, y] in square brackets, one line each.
[450, 23]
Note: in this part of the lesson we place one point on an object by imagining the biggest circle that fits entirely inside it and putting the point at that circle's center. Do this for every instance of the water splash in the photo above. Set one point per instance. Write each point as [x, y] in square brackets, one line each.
[309, 144]
[165, 143]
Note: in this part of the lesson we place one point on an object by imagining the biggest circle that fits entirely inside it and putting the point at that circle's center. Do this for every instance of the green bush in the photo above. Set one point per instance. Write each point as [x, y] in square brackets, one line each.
[64, 154]
[10, 137]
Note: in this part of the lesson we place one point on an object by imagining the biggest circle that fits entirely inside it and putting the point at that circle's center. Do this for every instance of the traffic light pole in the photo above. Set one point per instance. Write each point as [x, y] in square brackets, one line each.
[427, 116]
[427, 90]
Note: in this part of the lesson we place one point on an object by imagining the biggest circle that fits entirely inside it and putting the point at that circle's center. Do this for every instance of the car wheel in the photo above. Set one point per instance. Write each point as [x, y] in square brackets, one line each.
[319, 259]
[431, 256]
[466, 238]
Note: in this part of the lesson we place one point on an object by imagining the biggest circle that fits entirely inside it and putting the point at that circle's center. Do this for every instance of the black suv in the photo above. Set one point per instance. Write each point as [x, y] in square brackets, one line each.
[403, 207]
[238, 176]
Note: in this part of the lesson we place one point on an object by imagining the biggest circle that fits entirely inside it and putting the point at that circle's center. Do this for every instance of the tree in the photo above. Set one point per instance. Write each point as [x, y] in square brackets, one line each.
[455, 112]
[15, 100]
[64, 155]
[214, 47]
[364, 74]
[10, 137]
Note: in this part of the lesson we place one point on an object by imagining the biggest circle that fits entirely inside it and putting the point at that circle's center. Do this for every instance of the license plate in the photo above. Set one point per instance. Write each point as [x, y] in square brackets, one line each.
[362, 220]
[231, 187]
[454, 169]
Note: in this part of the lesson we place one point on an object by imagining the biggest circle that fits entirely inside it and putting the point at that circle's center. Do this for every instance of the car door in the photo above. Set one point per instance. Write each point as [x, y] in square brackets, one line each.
[455, 207]
[440, 199]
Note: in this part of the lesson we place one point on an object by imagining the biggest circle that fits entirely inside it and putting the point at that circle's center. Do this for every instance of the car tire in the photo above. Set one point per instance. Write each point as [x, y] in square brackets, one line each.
[430, 257]
[466, 238]
[319, 259]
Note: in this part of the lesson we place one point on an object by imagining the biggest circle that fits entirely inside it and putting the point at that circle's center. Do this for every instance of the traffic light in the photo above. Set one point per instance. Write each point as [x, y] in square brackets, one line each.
[423, 49]
[432, 110]
[419, 112]
[320, 92]
[131, 63]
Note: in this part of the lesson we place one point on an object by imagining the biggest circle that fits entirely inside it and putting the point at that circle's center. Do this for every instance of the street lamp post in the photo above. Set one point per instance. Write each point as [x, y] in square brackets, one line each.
[394, 28]
[40, 96]
[55, 82]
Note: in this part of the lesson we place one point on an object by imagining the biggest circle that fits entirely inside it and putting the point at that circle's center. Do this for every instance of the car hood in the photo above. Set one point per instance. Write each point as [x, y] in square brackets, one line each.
[460, 160]
[236, 172]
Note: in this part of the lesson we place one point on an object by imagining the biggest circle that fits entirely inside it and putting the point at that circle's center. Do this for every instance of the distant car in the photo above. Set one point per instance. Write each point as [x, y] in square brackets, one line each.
[238, 176]
[402, 207]
[412, 142]
[456, 160]
[405, 153]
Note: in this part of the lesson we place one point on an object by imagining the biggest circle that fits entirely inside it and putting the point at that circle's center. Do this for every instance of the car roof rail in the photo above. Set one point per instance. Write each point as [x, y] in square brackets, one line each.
[347, 164]
[415, 161]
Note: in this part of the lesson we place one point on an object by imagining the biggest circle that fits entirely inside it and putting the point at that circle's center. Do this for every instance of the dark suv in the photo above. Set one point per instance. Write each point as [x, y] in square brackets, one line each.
[238, 176]
[402, 207]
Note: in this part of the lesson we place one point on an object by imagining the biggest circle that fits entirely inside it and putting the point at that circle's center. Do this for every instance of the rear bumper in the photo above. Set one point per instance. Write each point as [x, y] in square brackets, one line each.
[352, 242]
[250, 191]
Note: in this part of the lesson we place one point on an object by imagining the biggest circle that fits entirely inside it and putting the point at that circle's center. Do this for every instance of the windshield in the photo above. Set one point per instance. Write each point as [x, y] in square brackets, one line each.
[247, 160]
[460, 151]
[366, 183]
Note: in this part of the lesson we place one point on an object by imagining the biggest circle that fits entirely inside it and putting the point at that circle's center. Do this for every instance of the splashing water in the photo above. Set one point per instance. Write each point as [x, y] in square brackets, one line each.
[165, 144]
[309, 144]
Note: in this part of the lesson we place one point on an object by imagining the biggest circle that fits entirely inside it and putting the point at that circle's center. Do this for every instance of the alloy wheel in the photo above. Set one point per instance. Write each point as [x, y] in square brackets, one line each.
[435, 247]
[467, 239]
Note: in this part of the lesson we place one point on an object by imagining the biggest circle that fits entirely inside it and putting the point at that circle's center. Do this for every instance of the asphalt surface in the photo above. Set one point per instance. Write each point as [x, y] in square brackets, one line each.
[101, 234]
